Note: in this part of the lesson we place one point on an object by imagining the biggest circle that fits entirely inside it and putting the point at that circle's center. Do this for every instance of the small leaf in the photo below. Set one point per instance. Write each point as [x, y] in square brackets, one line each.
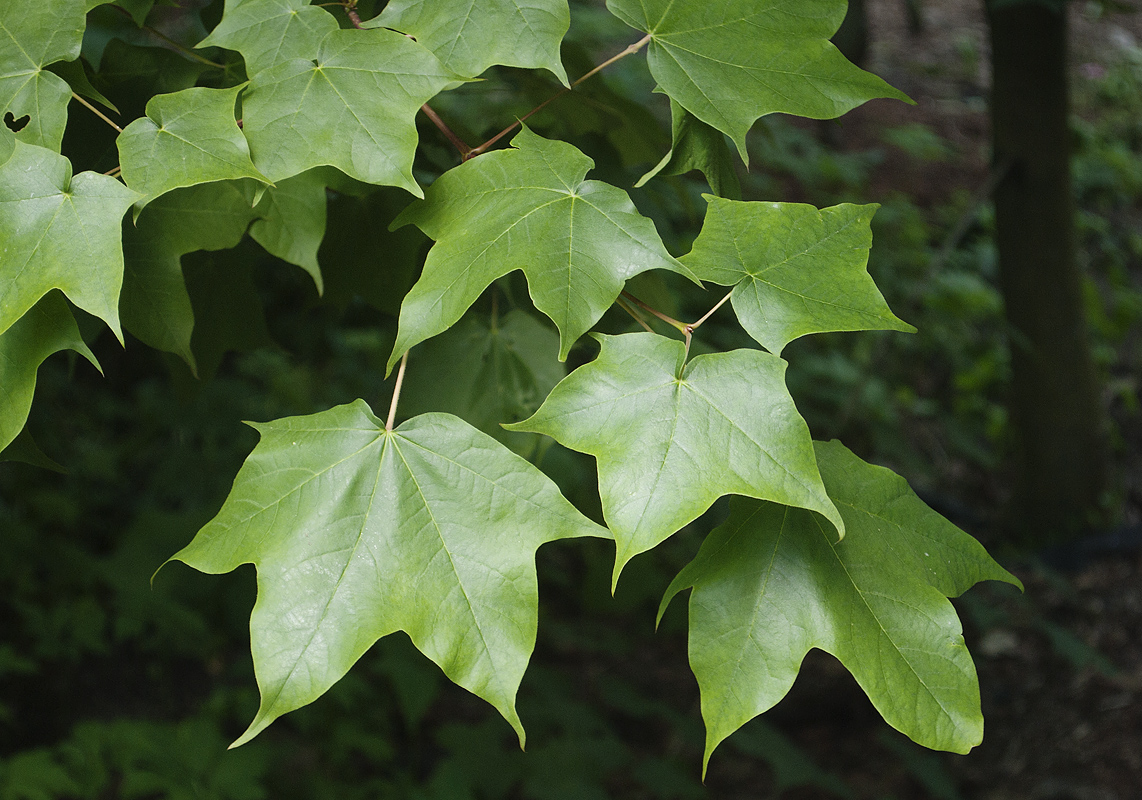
[353, 108]
[25, 450]
[187, 138]
[358, 532]
[795, 270]
[773, 582]
[698, 146]
[291, 221]
[59, 232]
[672, 437]
[268, 32]
[730, 63]
[33, 35]
[527, 208]
[469, 36]
[46, 328]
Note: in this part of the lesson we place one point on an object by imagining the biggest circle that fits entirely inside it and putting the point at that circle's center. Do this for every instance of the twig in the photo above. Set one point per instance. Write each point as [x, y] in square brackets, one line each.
[625, 306]
[678, 326]
[97, 112]
[396, 392]
[457, 142]
[634, 48]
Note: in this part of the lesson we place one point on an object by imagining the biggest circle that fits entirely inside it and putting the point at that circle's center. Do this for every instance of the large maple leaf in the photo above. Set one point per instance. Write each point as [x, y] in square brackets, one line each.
[773, 582]
[358, 532]
[732, 61]
[672, 436]
[528, 208]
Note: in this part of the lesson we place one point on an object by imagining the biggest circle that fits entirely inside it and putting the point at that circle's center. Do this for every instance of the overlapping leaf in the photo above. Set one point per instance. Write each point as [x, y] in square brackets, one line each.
[358, 532]
[156, 306]
[267, 32]
[671, 437]
[773, 582]
[795, 270]
[527, 208]
[46, 329]
[469, 36]
[730, 62]
[486, 372]
[33, 35]
[697, 146]
[291, 221]
[353, 108]
[59, 232]
[187, 138]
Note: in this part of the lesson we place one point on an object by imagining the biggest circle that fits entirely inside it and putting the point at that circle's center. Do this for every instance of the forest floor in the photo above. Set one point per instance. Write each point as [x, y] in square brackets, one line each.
[1060, 666]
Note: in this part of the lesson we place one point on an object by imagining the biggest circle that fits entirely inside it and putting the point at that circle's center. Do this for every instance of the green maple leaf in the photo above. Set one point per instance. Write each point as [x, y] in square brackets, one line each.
[267, 32]
[469, 36]
[697, 146]
[187, 138]
[507, 368]
[734, 61]
[46, 328]
[156, 306]
[795, 270]
[353, 107]
[358, 532]
[59, 232]
[671, 437]
[291, 221]
[527, 208]
[33, 35]
[773, 582]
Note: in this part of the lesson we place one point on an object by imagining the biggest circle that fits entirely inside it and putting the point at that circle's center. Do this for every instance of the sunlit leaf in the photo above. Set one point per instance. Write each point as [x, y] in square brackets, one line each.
[358, 532]
[671, 437]
[773, 582]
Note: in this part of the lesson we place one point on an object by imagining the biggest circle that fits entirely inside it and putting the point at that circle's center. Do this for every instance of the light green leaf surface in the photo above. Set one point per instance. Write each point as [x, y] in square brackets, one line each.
[486, 372]
[268, 32]
[353, 108]
[773, 582]
[733, 61]
[469, 36]
[291, 221]
[527, 208]
[187, 138]
[795, 270]
[59, 232]
[7, 144]
[670, 440]
[33, 35]
[46, 328]
[698, 146]
[156, 306]
[357, 533]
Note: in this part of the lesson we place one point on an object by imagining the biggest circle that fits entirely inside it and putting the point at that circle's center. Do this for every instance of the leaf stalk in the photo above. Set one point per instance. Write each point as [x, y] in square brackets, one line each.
[396, 393]
[96, 112]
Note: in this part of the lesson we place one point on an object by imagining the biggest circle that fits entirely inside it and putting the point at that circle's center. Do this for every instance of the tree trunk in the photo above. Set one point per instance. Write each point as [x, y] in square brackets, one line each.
[1060, 453]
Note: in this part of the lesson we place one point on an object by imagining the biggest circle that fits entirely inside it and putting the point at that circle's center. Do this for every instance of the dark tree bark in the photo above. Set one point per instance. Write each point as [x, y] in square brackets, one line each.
[1060, 455]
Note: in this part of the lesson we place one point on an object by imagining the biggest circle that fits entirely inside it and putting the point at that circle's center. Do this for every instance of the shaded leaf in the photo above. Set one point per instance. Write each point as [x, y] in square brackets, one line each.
[527, 208]
[267, 32]
[672, 437]
[773, 582]
[468, 36]
[33, 35]
[187, 138]
[353, 108]
[698, 146]
[156, 306]
[795, 270]
[25, 450]
[358, 532]
[486, 372]
[59, 232]
[734, 61]
[291, 221]
[46, 328]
